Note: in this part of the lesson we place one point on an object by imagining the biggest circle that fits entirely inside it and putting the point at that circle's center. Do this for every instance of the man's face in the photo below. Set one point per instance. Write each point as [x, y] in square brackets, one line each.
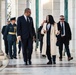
[28, 13]
[13, 21]
[62, 19]
[8, 22]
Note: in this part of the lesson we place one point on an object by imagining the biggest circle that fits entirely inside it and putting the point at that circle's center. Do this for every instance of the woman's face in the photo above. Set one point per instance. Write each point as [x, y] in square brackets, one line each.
[47, 18]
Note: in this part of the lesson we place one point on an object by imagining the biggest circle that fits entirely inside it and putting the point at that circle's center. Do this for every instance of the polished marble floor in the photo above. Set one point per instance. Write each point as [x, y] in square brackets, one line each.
[39, 67]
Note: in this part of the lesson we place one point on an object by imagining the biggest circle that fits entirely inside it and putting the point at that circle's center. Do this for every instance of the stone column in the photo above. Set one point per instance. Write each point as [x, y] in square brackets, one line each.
[74, 24]
[3, 22]
[71, 20]
[0, 25]
[37, 20]
[0, 34]
[40, 12]
[66, 10]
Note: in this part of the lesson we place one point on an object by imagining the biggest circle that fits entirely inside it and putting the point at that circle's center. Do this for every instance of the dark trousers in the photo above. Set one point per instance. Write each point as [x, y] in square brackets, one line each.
[48, 53]
[6, 46]
[19, 46]
[66, 44]
[27, 47]
[41, 44]
[12, 53]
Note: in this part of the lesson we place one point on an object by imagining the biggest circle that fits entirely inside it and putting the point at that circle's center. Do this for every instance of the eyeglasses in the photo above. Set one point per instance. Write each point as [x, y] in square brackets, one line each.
[61, 19]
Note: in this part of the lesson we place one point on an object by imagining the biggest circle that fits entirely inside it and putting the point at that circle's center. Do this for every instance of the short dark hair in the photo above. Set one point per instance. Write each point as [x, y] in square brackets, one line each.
[26, 10]
[61, 15]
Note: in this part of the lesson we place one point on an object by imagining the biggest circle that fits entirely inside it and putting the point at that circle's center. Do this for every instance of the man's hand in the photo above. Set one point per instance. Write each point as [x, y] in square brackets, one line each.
[19, 38]
[34, 39]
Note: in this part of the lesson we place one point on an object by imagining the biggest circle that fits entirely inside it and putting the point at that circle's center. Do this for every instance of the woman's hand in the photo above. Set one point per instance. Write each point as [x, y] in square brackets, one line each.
[43, 22]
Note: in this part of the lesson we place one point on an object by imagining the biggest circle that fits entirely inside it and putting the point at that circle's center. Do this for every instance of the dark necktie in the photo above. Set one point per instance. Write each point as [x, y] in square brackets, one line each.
[62, 31]
[27, 19]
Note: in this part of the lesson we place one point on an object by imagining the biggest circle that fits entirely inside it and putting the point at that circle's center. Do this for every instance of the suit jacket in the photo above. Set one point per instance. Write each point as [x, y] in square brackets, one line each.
[3, 31]
[25, 29]
[67, 32]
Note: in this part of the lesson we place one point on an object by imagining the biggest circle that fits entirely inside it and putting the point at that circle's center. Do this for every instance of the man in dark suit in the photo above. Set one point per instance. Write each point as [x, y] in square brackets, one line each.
[64, 37]
[5, 38]
[10, 32]
[26, 33]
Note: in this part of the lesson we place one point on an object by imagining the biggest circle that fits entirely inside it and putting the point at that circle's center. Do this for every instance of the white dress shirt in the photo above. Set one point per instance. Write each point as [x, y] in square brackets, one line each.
[25, 17]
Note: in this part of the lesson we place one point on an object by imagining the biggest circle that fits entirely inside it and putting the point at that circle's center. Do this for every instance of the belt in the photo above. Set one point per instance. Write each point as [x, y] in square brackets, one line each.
[12, 33]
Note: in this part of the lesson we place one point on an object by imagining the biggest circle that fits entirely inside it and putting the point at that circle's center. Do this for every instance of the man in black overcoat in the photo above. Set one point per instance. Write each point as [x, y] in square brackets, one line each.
[64, 37]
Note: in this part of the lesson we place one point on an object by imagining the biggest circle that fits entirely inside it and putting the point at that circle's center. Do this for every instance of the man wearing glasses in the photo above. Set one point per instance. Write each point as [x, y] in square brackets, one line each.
[64, 37]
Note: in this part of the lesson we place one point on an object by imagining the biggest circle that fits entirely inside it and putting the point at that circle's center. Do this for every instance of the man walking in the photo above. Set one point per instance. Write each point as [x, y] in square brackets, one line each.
[26, 34]
[64, 37]
[10, 32]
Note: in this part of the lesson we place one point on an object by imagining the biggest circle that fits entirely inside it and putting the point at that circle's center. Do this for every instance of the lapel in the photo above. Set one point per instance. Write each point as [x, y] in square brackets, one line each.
[59, 26]
[65, 26]
[52, 29]
[24, 19]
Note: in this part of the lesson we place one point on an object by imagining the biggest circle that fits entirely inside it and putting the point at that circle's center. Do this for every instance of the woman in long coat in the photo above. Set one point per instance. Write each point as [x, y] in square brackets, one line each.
[49, 40]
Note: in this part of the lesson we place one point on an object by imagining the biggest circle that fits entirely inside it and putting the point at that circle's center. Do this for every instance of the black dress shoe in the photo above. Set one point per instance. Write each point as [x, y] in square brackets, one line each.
[70, 58]
[30, 62]
[54, 62]
[49, 63]
[11, 57]
[26, 63]
[15, 57]
[44, 56]
[60, 59]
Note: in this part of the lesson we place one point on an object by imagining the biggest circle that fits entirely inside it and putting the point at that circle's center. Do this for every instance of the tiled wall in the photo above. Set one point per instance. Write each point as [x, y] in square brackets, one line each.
[47, 9]
[56, 9]
[21, 7]
[61, 7]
